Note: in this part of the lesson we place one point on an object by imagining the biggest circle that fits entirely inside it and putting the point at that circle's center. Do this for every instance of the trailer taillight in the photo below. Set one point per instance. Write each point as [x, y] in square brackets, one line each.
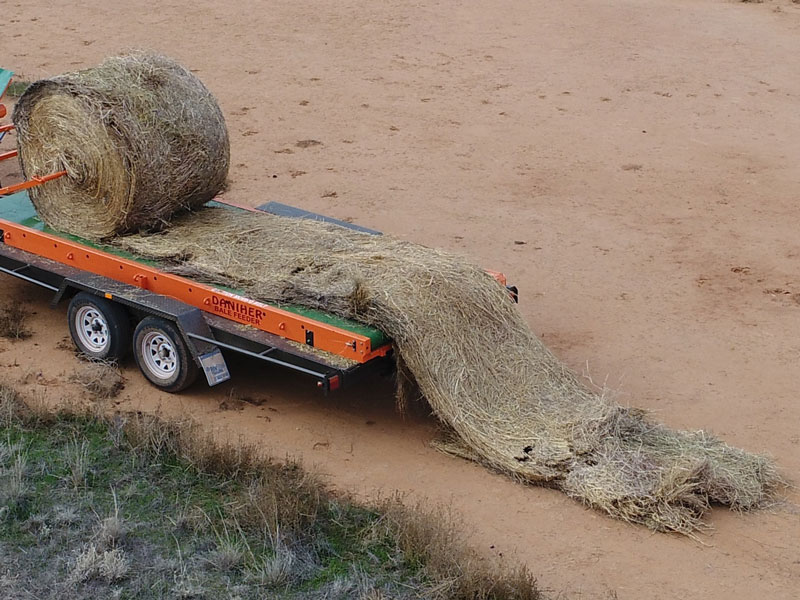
[333, 383]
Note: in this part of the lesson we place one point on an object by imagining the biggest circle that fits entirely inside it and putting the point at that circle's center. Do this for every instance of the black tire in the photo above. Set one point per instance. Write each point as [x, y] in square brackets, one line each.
[163, 356]
[99, 328]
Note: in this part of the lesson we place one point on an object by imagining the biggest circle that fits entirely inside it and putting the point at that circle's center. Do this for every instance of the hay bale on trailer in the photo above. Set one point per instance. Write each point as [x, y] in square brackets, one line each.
[140, 137]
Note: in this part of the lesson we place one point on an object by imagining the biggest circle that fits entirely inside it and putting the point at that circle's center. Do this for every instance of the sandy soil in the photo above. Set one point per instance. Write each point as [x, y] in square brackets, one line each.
[631, 165]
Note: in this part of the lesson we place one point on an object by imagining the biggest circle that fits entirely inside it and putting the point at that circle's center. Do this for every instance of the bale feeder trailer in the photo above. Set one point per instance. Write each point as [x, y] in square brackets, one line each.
[176, 327]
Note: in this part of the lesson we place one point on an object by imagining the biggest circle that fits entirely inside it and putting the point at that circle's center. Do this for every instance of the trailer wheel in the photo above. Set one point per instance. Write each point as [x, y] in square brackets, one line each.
[163, 356]
[99, 328]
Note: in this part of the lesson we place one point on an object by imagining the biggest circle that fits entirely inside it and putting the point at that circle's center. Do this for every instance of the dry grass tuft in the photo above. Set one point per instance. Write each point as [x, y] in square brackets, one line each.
[101, 378]
[434, 538]
[188, 587]
[139, 136]
[231, 548]
[12, 408]
[13, 318]
[76, 457]
[277, 496]
[13, 485]
[508, 401]
[275, 570]
[92, 563]
[112, 529]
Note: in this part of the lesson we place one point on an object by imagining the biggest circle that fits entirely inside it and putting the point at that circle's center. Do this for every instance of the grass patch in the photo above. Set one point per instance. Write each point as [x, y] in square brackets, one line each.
[13, 321]
[131, 506]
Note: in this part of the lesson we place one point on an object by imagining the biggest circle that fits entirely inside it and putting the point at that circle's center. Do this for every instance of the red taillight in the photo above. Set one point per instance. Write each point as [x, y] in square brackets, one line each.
[333, 383]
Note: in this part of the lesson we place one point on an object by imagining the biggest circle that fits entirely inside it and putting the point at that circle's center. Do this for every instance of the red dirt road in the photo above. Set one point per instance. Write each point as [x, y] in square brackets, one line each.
[631, 165]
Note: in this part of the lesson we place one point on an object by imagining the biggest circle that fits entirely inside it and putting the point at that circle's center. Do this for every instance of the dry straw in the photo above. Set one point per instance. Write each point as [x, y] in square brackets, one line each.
[139, 136]
[505, 400]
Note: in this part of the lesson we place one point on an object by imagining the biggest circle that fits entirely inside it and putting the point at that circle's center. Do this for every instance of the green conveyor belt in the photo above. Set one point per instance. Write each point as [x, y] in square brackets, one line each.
[19, 209]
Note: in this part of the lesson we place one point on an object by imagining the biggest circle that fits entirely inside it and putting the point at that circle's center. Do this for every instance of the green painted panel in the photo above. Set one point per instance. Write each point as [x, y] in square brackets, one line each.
[5, 79]
[18, 208]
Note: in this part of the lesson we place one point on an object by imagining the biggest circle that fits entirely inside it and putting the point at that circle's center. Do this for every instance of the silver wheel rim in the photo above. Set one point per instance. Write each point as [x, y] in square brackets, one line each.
[92, 329]
[158, 355]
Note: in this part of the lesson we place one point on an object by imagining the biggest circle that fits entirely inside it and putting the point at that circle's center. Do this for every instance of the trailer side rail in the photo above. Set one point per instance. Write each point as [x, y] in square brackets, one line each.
[204, 332]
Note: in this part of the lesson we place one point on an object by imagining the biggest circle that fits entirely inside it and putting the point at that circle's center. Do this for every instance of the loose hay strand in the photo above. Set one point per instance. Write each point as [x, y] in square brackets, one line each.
[508, 401]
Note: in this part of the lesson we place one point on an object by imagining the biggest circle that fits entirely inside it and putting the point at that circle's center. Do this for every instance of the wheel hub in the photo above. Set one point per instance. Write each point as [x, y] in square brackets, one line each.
[92, 329]
[159, 355]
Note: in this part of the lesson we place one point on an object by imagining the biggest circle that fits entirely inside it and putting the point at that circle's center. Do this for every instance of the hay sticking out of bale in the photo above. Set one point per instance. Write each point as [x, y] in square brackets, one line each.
[507, 400]
[139, 136]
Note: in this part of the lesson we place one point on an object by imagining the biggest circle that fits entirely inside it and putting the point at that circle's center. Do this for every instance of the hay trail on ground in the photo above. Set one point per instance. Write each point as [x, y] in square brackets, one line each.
[507, 400]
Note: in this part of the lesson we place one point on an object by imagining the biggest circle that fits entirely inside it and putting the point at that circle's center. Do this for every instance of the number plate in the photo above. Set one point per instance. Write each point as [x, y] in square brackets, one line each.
[214, 367]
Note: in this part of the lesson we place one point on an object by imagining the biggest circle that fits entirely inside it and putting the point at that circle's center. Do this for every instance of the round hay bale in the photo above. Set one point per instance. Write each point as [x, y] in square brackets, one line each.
[140, 137]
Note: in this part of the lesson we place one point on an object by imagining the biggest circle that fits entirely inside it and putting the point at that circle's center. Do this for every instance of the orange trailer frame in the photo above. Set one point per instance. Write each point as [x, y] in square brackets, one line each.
[204, 297]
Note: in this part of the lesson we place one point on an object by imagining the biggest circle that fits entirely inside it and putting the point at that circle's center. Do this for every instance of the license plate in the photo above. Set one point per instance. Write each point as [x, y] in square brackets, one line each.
[214, 367]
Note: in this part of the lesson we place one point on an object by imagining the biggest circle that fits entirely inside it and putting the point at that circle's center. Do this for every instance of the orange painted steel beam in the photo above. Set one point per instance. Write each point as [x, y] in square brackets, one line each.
[33, 182]
[4, 128]
[7, 155]
[208, 299]
[500, 277]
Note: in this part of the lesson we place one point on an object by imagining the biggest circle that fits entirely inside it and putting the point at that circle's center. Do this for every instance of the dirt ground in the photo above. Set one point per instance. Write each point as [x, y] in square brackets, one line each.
[631, 165]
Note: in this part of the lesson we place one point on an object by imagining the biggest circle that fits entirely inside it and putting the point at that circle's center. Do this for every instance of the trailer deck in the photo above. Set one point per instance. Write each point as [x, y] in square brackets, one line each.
[333, 350]
[18, 208]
